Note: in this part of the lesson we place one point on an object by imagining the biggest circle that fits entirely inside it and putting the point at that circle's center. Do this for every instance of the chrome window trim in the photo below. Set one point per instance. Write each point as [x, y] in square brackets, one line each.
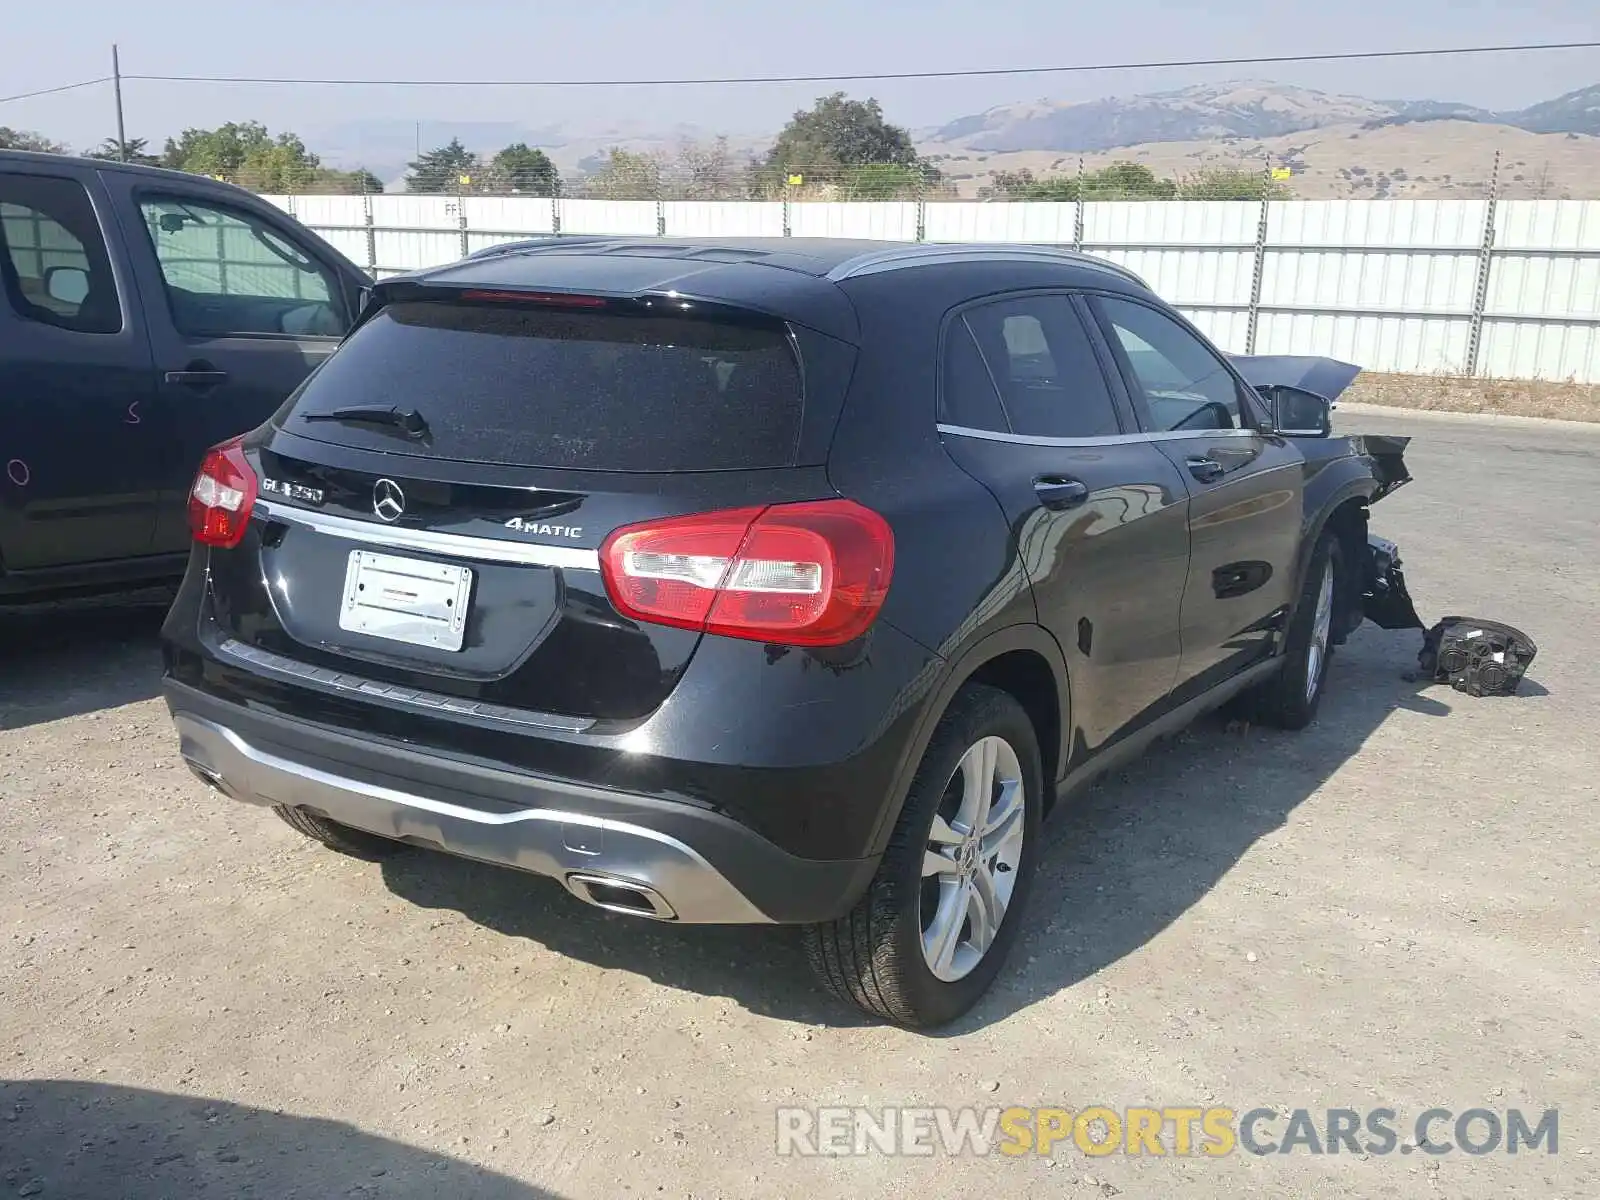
[428, 541]
[1117, 439]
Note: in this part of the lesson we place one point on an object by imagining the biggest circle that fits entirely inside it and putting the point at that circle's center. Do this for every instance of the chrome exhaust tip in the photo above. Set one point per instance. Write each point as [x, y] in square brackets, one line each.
[620, 896]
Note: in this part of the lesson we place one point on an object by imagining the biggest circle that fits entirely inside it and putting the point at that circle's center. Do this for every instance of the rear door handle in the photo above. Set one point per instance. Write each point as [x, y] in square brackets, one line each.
[1059, 491]
[197, 379]
[1206, 470]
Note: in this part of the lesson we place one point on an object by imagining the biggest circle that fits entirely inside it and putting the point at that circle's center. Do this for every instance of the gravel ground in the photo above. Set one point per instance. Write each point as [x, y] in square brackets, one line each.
[1396, 908]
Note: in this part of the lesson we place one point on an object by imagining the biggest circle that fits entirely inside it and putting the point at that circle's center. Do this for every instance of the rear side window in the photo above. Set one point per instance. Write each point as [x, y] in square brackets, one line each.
[501, 383]
[53, 255]
[1044, 365]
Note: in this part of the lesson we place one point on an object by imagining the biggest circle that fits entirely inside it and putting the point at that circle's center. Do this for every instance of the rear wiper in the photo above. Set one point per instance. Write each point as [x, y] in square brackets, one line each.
[411, 422]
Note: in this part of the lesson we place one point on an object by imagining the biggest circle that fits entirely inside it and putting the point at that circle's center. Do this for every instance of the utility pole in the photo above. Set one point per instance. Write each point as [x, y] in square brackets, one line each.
[116, 86]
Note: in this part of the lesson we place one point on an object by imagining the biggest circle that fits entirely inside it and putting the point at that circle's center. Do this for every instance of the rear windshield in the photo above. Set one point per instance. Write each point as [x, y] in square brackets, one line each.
[503, 383]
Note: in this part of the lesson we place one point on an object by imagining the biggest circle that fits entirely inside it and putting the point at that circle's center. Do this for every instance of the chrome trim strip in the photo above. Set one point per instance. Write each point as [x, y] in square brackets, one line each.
[898, 256]
[1118, 439]
[412, 699]
[452, 545]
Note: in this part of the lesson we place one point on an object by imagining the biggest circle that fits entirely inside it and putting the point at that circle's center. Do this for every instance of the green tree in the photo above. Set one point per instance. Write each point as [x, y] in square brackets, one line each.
[836, 134]
[441, 169]
[25, 139]
[625, 175]
[882, 181]
[1118, 181]
[523, 169]
[1231, 183]
[364, 183]
[246, 153]
[137, 153]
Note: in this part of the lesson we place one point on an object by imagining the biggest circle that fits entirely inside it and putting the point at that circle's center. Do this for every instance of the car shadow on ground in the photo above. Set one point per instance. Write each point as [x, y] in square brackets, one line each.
[80, 1139]
[69, 659]
[1123, 860]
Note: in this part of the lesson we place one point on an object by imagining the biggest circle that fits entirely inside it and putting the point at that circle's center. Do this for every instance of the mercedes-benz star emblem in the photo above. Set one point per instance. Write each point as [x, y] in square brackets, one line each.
[388, 501]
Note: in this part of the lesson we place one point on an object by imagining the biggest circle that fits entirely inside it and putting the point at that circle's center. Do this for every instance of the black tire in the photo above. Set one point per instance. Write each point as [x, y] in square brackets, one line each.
[873, 956]
[357, 843]
[1287, 700]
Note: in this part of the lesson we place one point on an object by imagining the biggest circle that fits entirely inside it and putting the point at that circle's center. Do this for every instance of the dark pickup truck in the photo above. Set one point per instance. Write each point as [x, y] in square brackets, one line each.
[147, 315]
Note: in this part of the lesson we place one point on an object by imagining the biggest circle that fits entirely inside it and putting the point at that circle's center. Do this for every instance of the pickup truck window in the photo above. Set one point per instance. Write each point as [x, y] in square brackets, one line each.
[53, 255]
[228, 273]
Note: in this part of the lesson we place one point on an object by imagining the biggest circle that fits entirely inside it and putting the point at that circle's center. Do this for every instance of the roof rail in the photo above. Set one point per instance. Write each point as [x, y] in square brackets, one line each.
[895, 257]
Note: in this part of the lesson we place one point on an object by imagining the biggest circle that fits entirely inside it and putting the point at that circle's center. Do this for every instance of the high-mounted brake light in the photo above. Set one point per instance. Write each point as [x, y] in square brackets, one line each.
[559, 299]
[224, 492]
[808, 574]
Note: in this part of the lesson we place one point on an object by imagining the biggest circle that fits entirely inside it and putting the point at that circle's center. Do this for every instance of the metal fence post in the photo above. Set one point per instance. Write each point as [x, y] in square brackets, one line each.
[372, 236]
[1077, 212]
[555, 209]
[786, 223]
[1480, 290]
[1255, 276]
[461, 218]
[661, 217]
[922, 219]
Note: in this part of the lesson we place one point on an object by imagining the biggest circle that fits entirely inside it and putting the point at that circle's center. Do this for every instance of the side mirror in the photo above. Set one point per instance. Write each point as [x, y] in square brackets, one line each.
[69, 285]
[1299, 413]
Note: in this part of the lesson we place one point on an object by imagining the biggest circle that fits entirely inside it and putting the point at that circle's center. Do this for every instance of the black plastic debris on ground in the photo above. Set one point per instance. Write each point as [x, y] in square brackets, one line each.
[1478, 657]
[1472, 655]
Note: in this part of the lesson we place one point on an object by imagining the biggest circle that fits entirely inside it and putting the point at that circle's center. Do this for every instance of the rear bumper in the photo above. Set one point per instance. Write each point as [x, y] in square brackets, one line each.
[636, 854]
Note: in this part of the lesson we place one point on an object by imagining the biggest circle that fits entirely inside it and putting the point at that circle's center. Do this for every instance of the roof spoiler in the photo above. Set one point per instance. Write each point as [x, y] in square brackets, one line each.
[1325, 377]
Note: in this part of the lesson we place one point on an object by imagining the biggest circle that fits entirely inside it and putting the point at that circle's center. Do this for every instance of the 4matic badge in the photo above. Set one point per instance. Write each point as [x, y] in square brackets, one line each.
[523, 525]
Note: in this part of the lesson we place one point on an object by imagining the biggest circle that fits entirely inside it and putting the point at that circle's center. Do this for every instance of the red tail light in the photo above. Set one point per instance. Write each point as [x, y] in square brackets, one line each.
[224, 492]
[810, 574]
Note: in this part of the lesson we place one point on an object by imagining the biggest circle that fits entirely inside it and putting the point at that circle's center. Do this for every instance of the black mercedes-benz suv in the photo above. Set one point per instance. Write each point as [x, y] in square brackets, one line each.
[766, 581]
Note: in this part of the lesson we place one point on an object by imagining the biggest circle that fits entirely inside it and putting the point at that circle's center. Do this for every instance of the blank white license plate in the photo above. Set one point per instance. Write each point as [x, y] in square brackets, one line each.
[405, 600]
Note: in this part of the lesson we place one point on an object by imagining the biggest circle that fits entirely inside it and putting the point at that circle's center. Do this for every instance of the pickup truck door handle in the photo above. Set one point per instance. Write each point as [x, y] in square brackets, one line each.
[1059, 491]
[1206, 470]
[197, 375]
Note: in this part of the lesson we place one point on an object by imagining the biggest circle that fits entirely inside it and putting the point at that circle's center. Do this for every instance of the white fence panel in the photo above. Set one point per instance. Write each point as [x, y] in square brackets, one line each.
[1407, 344]
[1390, 284]
[626, 218]
[1228, 328]
[1546, 264]
[1169, 244]
[961, 221]
[339, 220]
[1377, 224]
[507, 217]
[890, 220]
[1335, 279]
[412, 232]
[1515, 349]
[724, 218]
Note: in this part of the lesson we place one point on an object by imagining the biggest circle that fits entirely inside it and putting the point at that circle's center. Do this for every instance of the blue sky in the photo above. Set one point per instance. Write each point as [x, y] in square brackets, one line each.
[52, 43]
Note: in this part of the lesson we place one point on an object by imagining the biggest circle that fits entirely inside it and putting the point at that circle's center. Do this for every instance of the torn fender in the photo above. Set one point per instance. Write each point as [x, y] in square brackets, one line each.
[1387, 454]
[1385, 600]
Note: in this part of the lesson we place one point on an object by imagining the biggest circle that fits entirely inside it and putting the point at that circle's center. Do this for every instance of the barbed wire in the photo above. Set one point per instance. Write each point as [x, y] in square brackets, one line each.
[646, 177]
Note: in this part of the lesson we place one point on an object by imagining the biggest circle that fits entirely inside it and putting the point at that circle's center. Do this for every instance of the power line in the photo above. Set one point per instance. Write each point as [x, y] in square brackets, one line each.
[1256, 60]
[65, 87]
